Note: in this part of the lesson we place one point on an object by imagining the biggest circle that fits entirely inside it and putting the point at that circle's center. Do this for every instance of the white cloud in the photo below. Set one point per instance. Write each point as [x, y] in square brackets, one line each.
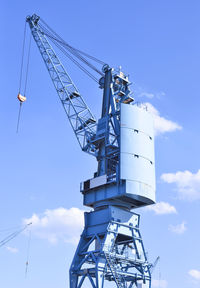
[147, 95]
[187, 184]
[162, 208]
[178, 229]
[195, 274]
[58, 224]
[142, 93]
[159, 283]
[162, 125]
[12, 249]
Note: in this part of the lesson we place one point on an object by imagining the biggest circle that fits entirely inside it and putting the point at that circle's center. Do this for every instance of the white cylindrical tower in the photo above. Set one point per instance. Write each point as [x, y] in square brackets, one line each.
[137, 166]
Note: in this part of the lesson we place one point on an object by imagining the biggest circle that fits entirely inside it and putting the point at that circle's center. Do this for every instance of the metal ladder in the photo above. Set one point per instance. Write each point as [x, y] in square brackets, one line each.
[113, 270]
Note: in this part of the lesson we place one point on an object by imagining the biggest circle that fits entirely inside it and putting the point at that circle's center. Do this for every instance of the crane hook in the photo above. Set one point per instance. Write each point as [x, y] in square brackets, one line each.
[21, 99]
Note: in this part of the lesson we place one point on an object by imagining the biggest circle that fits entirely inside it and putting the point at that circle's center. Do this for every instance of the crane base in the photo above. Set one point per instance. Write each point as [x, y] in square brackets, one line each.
[110, 249]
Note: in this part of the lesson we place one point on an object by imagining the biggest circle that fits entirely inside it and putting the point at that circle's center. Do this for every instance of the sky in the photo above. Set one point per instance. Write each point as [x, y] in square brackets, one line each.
[157, 43]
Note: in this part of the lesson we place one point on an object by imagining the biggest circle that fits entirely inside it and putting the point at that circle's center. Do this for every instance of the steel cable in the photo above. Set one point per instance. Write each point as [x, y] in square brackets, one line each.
[76, 54]
[75, 62]
[27, 67]
[22, 59]
[79, 51]
[54, 36]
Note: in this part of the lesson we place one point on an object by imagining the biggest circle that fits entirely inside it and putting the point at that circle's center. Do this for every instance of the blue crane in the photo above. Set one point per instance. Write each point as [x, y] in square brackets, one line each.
[122, 140]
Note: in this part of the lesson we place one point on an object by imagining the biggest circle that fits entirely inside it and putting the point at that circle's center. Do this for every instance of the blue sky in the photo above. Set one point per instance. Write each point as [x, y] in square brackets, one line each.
[157, 43]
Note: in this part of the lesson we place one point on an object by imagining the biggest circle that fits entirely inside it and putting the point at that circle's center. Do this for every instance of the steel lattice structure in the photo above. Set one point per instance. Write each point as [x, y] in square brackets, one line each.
[79, 115]
[112, 251]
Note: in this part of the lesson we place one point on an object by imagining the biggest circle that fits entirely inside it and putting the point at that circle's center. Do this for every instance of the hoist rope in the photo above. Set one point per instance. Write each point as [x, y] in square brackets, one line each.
[51, 34]
[13, 235]
[79, 51]
[28, 253]
[26, 74]
[75, 62]
[9, 229]
[9, 238]
[159, 275]
[75, 54]
[18, 118]
[22, 59]
[27, 66]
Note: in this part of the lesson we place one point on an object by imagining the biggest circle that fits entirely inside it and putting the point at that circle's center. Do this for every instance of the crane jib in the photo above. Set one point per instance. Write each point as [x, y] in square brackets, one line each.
[79, 115]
